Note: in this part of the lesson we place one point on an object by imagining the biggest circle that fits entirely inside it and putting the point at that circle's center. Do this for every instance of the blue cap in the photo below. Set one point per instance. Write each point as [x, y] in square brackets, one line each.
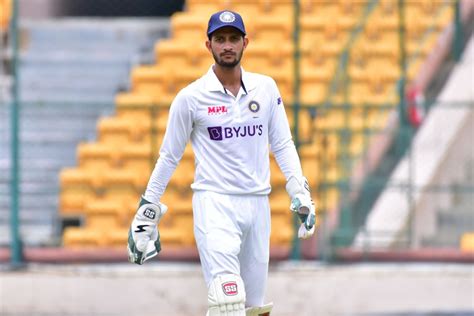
[225, 18]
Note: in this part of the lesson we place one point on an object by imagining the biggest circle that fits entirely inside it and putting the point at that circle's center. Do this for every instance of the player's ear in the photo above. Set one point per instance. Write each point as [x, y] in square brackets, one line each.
[208, 44]
[246, 41]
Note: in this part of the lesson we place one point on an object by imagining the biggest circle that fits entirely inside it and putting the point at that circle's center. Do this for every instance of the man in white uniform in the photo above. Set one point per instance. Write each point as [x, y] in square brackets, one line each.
[230, 116]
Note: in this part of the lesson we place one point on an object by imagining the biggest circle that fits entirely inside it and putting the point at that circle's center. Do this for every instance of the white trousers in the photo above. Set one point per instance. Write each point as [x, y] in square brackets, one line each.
[232, 233]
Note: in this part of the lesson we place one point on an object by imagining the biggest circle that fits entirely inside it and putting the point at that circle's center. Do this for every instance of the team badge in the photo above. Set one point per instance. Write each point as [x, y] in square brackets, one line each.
[254, 106]
[227, 17]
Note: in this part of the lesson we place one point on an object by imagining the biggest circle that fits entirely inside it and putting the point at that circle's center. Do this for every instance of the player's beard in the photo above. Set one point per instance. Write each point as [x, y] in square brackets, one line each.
[225, 64]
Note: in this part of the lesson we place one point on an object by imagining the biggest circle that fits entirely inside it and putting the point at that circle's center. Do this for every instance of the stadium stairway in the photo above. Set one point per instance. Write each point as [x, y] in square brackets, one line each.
[70, 71]
[456, 220]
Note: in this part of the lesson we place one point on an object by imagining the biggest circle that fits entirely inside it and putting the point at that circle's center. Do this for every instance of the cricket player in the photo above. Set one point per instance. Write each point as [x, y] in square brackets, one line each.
[231, 117]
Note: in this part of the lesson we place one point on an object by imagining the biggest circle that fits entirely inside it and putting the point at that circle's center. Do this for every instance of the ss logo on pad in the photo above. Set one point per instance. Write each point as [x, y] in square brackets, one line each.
[230, 288]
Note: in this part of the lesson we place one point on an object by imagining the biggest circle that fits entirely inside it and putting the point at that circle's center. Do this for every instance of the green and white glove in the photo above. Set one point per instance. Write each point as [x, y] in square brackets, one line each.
[143, 236]
[303, 205]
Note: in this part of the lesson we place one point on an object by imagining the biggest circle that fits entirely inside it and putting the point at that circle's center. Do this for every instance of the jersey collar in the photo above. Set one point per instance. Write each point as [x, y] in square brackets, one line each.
[212, 83]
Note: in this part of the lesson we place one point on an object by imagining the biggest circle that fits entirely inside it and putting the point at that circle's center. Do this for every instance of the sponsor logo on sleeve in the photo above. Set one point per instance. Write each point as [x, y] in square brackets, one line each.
[279, 101]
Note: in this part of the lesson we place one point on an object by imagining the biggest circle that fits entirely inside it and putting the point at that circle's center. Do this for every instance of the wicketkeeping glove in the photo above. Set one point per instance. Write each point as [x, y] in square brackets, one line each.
[143, 236]
[303, 205]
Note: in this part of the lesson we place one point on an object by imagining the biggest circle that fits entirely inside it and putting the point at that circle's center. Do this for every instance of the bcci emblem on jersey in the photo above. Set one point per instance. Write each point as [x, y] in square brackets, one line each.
[254, 106]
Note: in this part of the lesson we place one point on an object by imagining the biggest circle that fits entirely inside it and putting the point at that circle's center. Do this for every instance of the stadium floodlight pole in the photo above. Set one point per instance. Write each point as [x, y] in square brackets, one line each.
[16, 251]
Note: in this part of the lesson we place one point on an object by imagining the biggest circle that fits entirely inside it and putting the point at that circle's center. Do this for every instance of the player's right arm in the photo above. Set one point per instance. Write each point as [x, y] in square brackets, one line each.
[144, 238]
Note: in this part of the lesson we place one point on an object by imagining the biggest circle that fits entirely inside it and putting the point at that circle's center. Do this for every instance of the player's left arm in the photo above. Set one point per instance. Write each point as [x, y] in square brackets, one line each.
[284, 150]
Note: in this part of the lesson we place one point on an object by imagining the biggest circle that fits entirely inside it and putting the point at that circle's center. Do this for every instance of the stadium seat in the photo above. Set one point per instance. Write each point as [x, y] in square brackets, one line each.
[184, 173]
[122, 130]
[79, 237]
[138, 157]
[5, 14]
[273, 28]
[280, 202]
[76, 190]
[204, 7]
[258, 57]
[96, 156]
[277, 177]
[282, 229]
[189, 27]
[349, 13]
[137, 106]
[467, 242]
[175, 54]
[311, 169]
[105, 213]
[155, 82]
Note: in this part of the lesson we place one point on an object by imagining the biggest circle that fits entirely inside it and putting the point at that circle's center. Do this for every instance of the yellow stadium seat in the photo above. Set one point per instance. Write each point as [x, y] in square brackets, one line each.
[138, 157]
[273, 28]
[279, 202]
[184, 224]
[113, 130]
[122, 184]
[76, 190]
[386, 15]
[358, 144]
[284, 81]
[79, 237]
[311, 150]
[249, 9]
[154, 81]
[329, 199]
[282, 229]
[184, 173]
[349, 13]
[96, 156]
[189, 27]
[314, 8]
[467, 242]
[133, 105]
[123, 130]
[311, 169]
[277, 177]
[5, 14]
[204, 7]
[105, 213]
[258, 57]
[276, 7]
[179, 199]
[175, 54]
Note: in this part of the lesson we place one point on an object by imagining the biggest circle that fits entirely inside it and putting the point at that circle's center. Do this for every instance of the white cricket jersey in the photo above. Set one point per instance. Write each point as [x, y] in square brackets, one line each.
[230, 136]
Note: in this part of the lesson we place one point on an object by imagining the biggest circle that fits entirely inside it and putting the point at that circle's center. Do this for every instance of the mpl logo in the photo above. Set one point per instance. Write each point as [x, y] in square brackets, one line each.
[221, 133]
[230, 288]
[218, 109]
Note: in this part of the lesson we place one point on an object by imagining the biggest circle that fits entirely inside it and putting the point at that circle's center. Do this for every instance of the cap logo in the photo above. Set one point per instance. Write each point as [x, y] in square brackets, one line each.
[227, 17]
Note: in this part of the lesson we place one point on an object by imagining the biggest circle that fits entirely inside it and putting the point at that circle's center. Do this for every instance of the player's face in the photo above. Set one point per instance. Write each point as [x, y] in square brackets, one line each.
[227, 46]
